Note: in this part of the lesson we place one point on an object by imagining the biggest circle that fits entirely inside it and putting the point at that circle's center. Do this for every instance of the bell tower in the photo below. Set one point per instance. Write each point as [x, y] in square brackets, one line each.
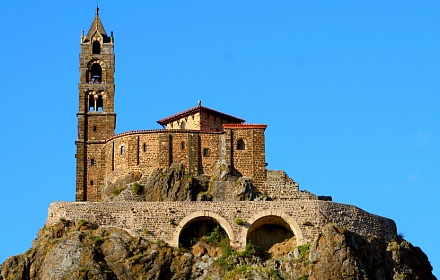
[96, 116]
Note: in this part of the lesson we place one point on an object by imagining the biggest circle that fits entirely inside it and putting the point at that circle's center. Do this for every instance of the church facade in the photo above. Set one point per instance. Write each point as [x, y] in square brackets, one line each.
[197, 138]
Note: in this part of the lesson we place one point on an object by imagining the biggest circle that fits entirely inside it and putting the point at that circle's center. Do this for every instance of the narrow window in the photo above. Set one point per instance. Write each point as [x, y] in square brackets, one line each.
[182, 146]
[91, 103]
[99, 104]
[91, 182]
[144, 147]
[96, 47]
[206, 152]
[94, 128]
[241, 145]
[122, 150]
[92, 161]
[182, 125]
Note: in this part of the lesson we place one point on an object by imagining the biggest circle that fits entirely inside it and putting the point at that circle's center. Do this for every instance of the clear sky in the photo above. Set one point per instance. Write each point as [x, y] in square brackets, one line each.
[349, 91]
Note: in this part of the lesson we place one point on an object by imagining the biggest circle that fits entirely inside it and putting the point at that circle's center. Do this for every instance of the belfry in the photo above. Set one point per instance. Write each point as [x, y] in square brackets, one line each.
[96, 117]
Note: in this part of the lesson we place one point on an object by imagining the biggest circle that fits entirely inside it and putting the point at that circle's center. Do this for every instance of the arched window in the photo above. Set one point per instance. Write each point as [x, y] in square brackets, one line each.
[96, 104]
[95, 74]
[241, 145]
[122, 149]
[182, 125]
[182, 146]
[92, 161]
[91, 103]
[96, 47]
[99, 104]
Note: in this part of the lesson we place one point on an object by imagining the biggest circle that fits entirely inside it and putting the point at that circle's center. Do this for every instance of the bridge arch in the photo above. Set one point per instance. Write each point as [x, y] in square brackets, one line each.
[283, 220]
[200, 216]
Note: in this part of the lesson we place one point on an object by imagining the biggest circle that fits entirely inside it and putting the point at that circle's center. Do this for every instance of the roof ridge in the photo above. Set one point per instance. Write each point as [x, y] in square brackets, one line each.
[195, 109]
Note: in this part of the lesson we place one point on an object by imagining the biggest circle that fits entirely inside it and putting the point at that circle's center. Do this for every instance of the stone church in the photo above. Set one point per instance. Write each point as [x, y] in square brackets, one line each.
[197, 137]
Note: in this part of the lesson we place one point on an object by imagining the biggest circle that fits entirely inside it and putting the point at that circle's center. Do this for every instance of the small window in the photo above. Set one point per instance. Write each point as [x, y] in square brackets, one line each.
[182, 146]
[92, 161]
[144, 147]
[94, 128]
[182, 125]
[91, 182]
[122, 149]
[206, 152]
[96, 47]
[241, 145]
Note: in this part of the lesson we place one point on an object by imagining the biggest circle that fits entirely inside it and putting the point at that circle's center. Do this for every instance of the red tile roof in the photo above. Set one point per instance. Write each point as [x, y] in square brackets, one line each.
[198, 108]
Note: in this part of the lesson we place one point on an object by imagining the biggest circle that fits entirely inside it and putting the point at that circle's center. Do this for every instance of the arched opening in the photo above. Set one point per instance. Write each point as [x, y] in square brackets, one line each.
[99, 104]
[96, 103]
[96, 74]
[241, 145]
[96, 47]
[92, 103]
[272, 235]
[201, 229]
[182, 125]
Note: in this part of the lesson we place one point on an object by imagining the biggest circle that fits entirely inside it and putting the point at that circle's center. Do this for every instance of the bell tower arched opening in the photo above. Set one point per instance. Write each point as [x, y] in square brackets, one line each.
[96, 103]
[95, 74]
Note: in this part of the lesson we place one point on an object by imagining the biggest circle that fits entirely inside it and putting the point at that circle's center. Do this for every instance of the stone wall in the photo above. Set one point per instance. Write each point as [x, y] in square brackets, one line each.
[165, 220]
[197, 151]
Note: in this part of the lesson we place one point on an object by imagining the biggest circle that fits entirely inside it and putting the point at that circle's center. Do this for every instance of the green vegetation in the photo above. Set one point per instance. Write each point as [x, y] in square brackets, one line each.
[239, 222]
[161, 243]
[137, 189]
[216, 237]
[117, 191]
[98, 240]
[249, 251]
[303, 251]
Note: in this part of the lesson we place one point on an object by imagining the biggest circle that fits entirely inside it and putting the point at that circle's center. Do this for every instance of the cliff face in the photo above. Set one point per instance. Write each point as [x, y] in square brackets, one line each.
[85, 251]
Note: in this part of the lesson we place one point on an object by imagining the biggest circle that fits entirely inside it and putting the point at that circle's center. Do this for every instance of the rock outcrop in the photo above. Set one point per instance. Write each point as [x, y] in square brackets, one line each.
[174, 184]
[85, 251]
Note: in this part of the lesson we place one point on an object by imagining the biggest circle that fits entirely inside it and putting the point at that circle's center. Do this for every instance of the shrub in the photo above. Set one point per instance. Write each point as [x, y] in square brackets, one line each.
[137, 189]
[216, 236]
[98, 240]
[303, 251]
[250, 250]
[240, 222]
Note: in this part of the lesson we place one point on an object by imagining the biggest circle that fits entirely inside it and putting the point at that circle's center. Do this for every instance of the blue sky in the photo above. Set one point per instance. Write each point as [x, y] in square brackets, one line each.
[349, 91]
